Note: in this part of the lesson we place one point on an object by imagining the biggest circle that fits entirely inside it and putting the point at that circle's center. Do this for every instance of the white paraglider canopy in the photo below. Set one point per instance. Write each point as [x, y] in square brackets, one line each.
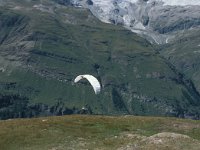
[93, 81]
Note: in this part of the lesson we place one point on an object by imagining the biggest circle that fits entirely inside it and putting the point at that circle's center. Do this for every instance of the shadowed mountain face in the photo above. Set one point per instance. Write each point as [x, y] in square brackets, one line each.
[44, 45]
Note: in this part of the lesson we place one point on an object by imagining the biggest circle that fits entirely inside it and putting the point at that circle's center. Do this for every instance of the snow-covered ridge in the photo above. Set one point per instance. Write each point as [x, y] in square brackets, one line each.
[165, 2]
[157, 20]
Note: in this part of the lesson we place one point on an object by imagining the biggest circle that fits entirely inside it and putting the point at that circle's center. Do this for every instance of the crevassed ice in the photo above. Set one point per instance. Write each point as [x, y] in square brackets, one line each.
[107, 3]
[131, 1]
[103, 3]
[181, 2]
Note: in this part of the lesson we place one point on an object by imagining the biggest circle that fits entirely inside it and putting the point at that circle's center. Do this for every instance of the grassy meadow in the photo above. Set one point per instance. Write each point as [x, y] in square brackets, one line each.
[99, 132]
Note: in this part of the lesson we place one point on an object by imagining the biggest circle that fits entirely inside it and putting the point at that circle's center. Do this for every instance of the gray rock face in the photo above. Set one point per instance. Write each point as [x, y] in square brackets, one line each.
[158, 20]
[172, 19]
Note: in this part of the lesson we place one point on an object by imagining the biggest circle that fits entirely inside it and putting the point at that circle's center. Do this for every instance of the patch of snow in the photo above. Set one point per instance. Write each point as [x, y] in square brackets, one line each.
[155, 40]
[136, 31]
[127, 19]
[17, 8]
[167, 40]
[197, 51]
[140, 26]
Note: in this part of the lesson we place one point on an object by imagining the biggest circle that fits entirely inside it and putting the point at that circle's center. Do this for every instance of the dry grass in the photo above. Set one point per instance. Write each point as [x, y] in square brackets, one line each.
[99, 132]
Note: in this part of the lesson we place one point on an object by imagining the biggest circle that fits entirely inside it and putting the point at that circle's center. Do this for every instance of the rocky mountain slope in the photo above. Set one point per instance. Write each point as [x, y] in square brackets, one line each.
[45, 44]
[183, 52]
[157, 20]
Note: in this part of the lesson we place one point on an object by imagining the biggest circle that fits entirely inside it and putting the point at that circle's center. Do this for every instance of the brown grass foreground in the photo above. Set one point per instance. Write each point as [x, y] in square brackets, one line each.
[99, 132]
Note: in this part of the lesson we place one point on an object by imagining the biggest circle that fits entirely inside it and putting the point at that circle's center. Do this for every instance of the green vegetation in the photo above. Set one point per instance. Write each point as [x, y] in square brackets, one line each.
[99, 132]
[44, 46]
[183, 53]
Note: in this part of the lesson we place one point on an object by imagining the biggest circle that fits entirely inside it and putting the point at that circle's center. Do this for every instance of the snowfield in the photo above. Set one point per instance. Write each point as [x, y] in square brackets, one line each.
[106, 3]
[181, 2]
[147, 17]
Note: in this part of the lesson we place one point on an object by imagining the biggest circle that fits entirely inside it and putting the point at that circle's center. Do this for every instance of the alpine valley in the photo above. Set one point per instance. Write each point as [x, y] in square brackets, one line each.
[145, 53]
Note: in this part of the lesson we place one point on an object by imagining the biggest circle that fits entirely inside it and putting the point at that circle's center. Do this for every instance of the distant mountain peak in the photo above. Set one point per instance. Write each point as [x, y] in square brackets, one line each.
[157, 20]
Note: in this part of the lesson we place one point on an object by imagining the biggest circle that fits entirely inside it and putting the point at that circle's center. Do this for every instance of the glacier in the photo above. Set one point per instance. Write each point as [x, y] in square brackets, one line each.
[181, 2]
[157, 20]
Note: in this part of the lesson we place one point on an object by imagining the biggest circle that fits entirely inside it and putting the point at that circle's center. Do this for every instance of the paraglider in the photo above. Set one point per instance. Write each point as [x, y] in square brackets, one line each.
[93, 81]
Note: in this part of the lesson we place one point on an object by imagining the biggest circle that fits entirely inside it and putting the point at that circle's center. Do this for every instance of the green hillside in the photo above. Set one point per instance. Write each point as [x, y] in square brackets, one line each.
[45, 45]
[99, 132]
[183, 52]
